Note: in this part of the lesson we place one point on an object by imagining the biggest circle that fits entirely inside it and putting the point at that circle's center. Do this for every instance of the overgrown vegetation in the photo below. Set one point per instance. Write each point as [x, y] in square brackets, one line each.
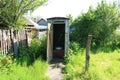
[105, 54]
[12, 11]
[103, 66]
[29, 65]
[101, 22]
[10, 70]
[36, 50]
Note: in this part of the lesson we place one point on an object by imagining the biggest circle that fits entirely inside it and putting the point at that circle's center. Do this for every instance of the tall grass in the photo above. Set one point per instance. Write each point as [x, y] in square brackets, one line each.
[13, 71]
[103, 66]
[29, 65]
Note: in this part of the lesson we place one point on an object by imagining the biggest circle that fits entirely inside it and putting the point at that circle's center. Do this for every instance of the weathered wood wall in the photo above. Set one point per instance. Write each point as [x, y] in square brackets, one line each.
[10, 41]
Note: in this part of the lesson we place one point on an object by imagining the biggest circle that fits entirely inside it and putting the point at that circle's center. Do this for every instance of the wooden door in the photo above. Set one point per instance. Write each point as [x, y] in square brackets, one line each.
[49, 43]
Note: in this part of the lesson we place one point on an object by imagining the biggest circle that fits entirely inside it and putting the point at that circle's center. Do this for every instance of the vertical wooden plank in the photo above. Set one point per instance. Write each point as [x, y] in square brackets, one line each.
[49, 49]
[5, 41]
[0, 41]
[5, 37]
[11, 40]
[47, 56]
[26, 36]
[19, 34]
[29, 36]
[15, 45]
[51, 38]
[66, 36]
[7, 47]
[19, 37]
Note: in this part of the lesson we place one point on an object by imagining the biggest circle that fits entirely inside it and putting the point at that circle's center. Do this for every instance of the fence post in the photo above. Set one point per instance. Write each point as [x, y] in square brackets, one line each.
[26, 35]
[88, 52]
[11, 39]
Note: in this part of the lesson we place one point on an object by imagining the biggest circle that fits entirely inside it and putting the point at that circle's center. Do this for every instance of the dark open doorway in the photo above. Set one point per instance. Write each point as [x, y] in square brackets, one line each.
[58, 40]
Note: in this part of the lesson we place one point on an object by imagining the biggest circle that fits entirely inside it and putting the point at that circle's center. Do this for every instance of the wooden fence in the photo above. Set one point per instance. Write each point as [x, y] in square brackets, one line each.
[11, 40]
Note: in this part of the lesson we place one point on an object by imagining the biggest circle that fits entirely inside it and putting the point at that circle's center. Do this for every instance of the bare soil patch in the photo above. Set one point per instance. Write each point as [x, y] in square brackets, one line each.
[55, 69]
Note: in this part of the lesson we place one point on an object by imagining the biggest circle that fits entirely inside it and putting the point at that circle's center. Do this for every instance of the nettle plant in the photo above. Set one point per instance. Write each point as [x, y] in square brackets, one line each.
[5, 61]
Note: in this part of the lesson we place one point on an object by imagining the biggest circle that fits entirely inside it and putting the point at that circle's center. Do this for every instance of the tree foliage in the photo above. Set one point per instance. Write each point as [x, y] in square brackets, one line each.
[100, 22]
[70, 17]
[11, 11]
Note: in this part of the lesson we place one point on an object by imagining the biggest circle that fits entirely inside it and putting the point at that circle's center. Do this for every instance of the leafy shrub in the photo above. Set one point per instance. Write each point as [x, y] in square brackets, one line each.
[43, 48]
[114, 40]
[100, 22]
[36, 50]
[74, 50]
[74, 46]
[5, 63]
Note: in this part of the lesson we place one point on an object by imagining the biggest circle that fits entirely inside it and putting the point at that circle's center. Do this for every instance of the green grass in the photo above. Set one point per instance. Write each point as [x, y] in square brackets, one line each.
[14, 71]
[103, 66]
[29, 65]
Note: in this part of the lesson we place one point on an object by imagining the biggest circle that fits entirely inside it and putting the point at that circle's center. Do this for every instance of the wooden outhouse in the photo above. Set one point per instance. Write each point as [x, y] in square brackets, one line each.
[57, 37]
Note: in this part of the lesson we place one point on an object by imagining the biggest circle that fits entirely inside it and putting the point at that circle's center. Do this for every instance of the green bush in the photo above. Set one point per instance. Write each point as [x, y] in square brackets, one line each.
[36, 50]
[43, 48]
[100, 22]
[5, 63]
[74, 46]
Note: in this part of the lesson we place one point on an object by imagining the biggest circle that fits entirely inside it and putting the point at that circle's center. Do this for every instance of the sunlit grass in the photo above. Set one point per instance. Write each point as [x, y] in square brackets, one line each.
[103, 66]
[19, 72]
[29, 65]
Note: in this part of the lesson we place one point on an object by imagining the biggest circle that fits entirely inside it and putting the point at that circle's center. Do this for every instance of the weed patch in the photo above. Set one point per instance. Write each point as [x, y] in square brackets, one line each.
[103, 66]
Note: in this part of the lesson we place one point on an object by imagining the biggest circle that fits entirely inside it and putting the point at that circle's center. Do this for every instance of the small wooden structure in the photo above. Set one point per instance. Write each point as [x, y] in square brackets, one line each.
[57, 37]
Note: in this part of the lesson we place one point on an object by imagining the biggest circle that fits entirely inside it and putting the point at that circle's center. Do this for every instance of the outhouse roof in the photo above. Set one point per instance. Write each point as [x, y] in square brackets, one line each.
[52, 18]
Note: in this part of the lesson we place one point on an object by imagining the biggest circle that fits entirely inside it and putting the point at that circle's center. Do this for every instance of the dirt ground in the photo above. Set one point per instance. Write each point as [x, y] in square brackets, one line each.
[55, 69]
